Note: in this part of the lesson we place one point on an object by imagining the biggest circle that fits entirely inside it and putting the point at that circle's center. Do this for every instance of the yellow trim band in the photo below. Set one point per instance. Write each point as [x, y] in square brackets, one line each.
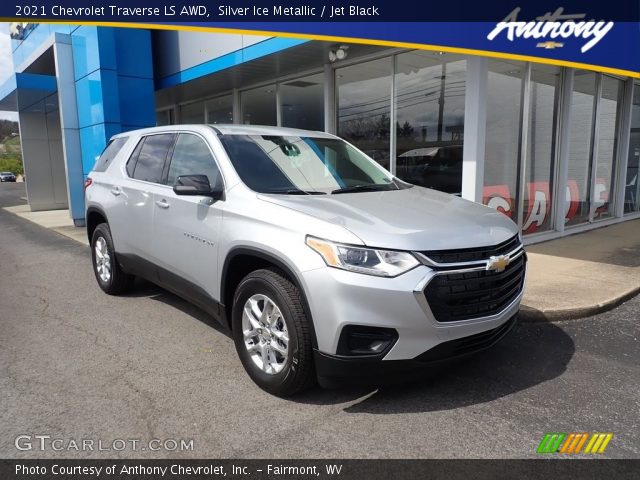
[382, 43]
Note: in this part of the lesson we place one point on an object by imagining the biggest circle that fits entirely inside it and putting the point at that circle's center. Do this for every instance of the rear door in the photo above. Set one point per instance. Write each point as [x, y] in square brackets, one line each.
[131, 217]
[187, 228]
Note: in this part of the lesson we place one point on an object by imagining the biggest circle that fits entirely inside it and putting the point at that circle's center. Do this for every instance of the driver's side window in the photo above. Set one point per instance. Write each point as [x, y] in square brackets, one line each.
[191, 156]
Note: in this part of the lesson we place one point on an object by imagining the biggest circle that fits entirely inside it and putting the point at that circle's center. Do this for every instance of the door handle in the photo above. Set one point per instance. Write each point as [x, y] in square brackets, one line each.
[162, 203]
[116, 191]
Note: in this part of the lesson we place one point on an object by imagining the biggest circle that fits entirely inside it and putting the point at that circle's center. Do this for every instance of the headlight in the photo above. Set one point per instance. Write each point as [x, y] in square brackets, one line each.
[383, 263]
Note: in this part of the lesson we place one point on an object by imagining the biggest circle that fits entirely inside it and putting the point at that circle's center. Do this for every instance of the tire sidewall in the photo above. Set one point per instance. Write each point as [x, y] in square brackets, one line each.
[258, 285]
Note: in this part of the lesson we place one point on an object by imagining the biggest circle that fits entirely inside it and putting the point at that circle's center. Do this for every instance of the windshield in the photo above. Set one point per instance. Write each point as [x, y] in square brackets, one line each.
[304, 165]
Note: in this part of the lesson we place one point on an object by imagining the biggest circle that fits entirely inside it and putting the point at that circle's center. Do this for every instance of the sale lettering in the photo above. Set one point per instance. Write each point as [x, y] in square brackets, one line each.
[537, 205]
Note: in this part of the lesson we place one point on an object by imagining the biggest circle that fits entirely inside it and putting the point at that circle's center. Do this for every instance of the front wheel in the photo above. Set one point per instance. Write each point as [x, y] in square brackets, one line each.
[272, 333]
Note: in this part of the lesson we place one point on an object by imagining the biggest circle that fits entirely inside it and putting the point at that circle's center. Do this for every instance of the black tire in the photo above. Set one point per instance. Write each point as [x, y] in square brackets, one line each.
[119, 281]
[298, 372]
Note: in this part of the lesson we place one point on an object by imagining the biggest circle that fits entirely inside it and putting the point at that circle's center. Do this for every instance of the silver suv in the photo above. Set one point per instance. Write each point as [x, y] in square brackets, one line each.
[323, 265]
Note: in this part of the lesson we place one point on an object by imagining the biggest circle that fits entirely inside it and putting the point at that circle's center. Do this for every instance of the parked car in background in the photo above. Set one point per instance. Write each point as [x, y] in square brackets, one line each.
[439, 168]
[7, 177]
[322, 264]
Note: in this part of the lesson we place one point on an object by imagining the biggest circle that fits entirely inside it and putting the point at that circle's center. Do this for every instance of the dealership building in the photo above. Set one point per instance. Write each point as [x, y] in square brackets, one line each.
[557, 149]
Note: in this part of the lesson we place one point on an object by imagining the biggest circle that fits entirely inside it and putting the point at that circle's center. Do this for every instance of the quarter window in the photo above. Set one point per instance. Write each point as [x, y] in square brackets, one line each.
[191, 156]
[152, 156]
[109, 153]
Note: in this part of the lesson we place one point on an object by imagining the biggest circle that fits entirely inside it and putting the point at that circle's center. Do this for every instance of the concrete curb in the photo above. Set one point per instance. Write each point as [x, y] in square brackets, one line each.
[532, 315]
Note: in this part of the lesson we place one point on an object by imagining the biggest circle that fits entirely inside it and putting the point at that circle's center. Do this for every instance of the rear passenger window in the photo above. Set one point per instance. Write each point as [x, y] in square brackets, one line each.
[109, 153]
[191, 156]
[152, 156]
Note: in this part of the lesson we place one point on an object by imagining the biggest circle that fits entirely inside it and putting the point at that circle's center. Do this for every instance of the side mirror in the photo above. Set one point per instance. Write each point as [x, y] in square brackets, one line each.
[197, 185]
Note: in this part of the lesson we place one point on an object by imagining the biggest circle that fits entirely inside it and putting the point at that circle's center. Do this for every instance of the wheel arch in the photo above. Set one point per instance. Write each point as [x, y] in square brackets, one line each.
[241, 261]
[94, 217]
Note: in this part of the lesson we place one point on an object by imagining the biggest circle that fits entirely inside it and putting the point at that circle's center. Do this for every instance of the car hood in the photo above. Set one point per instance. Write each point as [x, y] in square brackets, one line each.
[411, 219]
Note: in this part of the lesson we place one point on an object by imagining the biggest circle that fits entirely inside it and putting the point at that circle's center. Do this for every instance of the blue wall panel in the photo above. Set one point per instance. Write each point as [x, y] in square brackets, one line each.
[93, 48]
[97, 98]
[129, 43]
[137, 101]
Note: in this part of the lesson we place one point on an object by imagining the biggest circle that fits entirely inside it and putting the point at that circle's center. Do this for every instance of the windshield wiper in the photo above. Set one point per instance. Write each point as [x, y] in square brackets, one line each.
[293, 191]
[364, 188]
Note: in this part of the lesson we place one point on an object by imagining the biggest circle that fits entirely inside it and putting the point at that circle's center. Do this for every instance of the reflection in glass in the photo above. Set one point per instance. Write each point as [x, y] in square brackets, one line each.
[191, 156]
[192, 113]
[632, 184]
[302, 103]
[364, 106]
[502, 136]
[539, 164]
[220, 110]
[165, 117]
[608, 117]
[578, 190]
[259, 106]
[429, 99]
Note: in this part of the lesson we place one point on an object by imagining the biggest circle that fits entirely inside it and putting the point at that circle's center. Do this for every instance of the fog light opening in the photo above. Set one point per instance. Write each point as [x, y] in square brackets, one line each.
[357, 340]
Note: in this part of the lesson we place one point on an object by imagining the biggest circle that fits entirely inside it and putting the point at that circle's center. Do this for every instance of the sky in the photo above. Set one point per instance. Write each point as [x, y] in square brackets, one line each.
[6, 64]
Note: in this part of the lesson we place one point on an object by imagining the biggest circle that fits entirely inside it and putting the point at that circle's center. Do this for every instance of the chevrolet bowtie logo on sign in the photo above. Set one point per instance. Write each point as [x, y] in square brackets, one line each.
[550, 45]
[498, 264]
[574, 443]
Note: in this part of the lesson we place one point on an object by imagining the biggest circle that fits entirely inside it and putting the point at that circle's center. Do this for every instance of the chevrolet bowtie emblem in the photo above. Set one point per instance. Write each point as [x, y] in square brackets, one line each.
[498, 264]
[550, 45]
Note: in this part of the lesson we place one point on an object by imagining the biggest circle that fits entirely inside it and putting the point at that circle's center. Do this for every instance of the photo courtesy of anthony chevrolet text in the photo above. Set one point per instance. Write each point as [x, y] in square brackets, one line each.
[319, 239]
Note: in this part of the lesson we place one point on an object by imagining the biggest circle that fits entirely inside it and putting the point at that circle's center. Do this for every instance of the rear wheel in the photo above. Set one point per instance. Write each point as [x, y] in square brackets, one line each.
[109, 274]
[272, 333]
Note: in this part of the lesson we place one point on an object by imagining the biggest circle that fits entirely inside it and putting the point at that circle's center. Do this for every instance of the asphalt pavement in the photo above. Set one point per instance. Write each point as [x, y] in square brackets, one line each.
[78, 364]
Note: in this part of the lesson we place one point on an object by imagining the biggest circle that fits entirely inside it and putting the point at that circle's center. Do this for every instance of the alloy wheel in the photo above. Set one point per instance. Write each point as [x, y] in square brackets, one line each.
[265, 334]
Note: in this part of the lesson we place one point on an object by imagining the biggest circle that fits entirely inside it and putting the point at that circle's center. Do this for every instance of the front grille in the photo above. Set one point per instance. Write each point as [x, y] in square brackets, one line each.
[466, 345]
[472, 254]
[474, 294]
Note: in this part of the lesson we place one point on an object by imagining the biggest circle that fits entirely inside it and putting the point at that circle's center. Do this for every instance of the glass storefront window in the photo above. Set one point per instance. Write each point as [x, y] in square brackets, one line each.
[578, 189]
[503, 136]
[429, 101]
[302, 103]
[632, 184]
[363, 93]
[220, 110]
[259, 106]
[540, 154]
[192, 113]
[165, 117]
[608, 118]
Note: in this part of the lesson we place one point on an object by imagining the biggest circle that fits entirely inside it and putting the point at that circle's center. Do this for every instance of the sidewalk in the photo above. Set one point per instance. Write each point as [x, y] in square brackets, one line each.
[583, 274]
[57, 220]
[572, 277]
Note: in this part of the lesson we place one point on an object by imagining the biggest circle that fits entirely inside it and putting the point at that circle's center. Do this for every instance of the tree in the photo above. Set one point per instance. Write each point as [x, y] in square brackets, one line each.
[406, 130]
[7, 127]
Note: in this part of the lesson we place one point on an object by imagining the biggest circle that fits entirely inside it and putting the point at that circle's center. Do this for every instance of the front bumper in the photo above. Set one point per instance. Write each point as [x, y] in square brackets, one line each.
[338, 298]
[334, 370]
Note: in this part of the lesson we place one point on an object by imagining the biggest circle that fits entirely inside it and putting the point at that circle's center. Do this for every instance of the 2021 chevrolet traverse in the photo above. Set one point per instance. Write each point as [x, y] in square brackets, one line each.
[323, 264]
